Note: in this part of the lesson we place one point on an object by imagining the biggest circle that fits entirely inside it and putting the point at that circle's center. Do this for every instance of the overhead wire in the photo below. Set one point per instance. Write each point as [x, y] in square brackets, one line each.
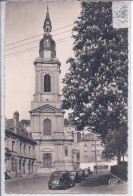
[33, 48]
[38, 35]
[29, 50]
[35, 41]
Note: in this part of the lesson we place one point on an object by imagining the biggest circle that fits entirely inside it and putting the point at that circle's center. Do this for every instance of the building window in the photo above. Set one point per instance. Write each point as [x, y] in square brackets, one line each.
[98, 144]
[47, 127]
[13, 164]
[85, 147]
[24, 149]
[78, 156]
[98, 158]
[85, 157]
[47, 83]
[29, 150]
[33, 151]
[66, 152]
[13, 145]
[98, 152]
[92, 155]
[20, 147]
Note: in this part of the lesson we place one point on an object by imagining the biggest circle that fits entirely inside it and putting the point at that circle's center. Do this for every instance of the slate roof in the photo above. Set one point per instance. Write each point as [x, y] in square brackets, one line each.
[25, 122]
[89, 137]
[20, 130]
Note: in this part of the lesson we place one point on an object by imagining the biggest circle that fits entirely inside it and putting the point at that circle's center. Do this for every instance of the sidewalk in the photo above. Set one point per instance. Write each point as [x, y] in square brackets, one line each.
[30, 176]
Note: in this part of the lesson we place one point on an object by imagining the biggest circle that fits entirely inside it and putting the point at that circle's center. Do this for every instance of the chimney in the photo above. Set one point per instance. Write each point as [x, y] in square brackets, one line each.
[16, 116]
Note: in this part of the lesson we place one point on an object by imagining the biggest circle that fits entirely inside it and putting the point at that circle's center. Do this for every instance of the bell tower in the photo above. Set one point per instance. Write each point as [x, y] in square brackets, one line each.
[47, 116]
[47, 70]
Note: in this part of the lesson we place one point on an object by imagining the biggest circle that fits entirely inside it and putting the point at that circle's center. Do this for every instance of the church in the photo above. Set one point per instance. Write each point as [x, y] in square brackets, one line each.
[54, 145]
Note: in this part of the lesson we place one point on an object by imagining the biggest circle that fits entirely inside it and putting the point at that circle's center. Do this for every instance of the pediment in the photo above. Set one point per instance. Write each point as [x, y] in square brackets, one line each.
[46, 109]
[46, 150]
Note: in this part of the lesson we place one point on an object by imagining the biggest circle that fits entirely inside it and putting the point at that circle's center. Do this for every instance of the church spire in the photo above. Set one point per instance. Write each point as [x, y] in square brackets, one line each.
[47, 23]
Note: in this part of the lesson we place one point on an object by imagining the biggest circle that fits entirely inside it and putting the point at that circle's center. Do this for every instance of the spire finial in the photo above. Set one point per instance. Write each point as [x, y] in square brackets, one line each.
[47, 23]
[47, 6]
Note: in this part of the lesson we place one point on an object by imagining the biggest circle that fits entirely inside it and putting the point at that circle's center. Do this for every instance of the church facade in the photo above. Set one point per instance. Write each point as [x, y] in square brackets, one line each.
[54, 145]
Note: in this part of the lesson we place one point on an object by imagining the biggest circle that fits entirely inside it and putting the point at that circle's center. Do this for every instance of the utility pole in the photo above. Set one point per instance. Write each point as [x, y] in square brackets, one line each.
[96, 156]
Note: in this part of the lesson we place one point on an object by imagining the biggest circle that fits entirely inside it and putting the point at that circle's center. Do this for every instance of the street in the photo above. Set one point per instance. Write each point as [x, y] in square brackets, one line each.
[39, 184]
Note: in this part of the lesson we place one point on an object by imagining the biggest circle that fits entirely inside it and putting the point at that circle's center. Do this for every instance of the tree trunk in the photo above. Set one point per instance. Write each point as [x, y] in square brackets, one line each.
[123, 159]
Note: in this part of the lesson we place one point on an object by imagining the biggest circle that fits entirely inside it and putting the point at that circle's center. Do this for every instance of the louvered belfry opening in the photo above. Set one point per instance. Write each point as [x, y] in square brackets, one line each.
[47, 83]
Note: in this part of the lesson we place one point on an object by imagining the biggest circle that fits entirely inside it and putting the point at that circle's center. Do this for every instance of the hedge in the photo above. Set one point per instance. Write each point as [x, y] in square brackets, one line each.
[120, 171]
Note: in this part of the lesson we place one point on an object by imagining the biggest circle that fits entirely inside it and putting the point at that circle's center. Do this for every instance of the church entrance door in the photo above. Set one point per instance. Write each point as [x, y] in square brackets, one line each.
[47, 160]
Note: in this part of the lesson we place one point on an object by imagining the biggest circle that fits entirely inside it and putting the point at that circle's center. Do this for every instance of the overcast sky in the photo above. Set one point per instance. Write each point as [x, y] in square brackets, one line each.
[25, 20]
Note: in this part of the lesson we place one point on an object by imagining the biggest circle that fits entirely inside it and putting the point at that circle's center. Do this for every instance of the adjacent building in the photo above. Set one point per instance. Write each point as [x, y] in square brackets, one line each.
[91, 151]
[20, 149]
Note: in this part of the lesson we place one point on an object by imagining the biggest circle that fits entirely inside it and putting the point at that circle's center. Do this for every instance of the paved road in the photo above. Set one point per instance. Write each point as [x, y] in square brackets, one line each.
[39, 184]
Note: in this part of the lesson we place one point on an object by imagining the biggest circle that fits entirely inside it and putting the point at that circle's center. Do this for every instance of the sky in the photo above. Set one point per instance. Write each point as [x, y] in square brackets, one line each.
[23, 21]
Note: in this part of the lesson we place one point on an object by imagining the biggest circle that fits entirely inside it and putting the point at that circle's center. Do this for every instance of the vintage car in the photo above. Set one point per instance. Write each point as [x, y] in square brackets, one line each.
[81, 173]
[60, 180]
[74, 175]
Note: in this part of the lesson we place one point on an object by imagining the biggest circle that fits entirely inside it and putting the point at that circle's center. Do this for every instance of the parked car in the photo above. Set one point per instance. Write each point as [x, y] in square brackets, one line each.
[81, 173]
[60, 180]
[75, 176]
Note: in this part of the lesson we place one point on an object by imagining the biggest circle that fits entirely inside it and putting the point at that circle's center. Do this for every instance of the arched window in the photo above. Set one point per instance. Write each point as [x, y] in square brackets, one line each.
[47, 83]
[47, 127]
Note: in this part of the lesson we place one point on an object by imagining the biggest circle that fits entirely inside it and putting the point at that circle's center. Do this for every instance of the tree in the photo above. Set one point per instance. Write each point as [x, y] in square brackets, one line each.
[96, 87]
[113, 142]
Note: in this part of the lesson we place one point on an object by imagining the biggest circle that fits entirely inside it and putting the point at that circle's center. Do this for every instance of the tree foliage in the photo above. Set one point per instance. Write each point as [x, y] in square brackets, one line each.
[96, 87]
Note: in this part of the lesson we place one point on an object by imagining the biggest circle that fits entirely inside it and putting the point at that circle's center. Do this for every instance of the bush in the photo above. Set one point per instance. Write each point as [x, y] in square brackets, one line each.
[120, 171]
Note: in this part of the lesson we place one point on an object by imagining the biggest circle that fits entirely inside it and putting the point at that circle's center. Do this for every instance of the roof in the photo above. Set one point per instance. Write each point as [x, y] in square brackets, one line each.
[47, 21]
[46, 109]
[9, 124]
[47, 16]
[17, 128]
[25, 122]
[89, 137]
